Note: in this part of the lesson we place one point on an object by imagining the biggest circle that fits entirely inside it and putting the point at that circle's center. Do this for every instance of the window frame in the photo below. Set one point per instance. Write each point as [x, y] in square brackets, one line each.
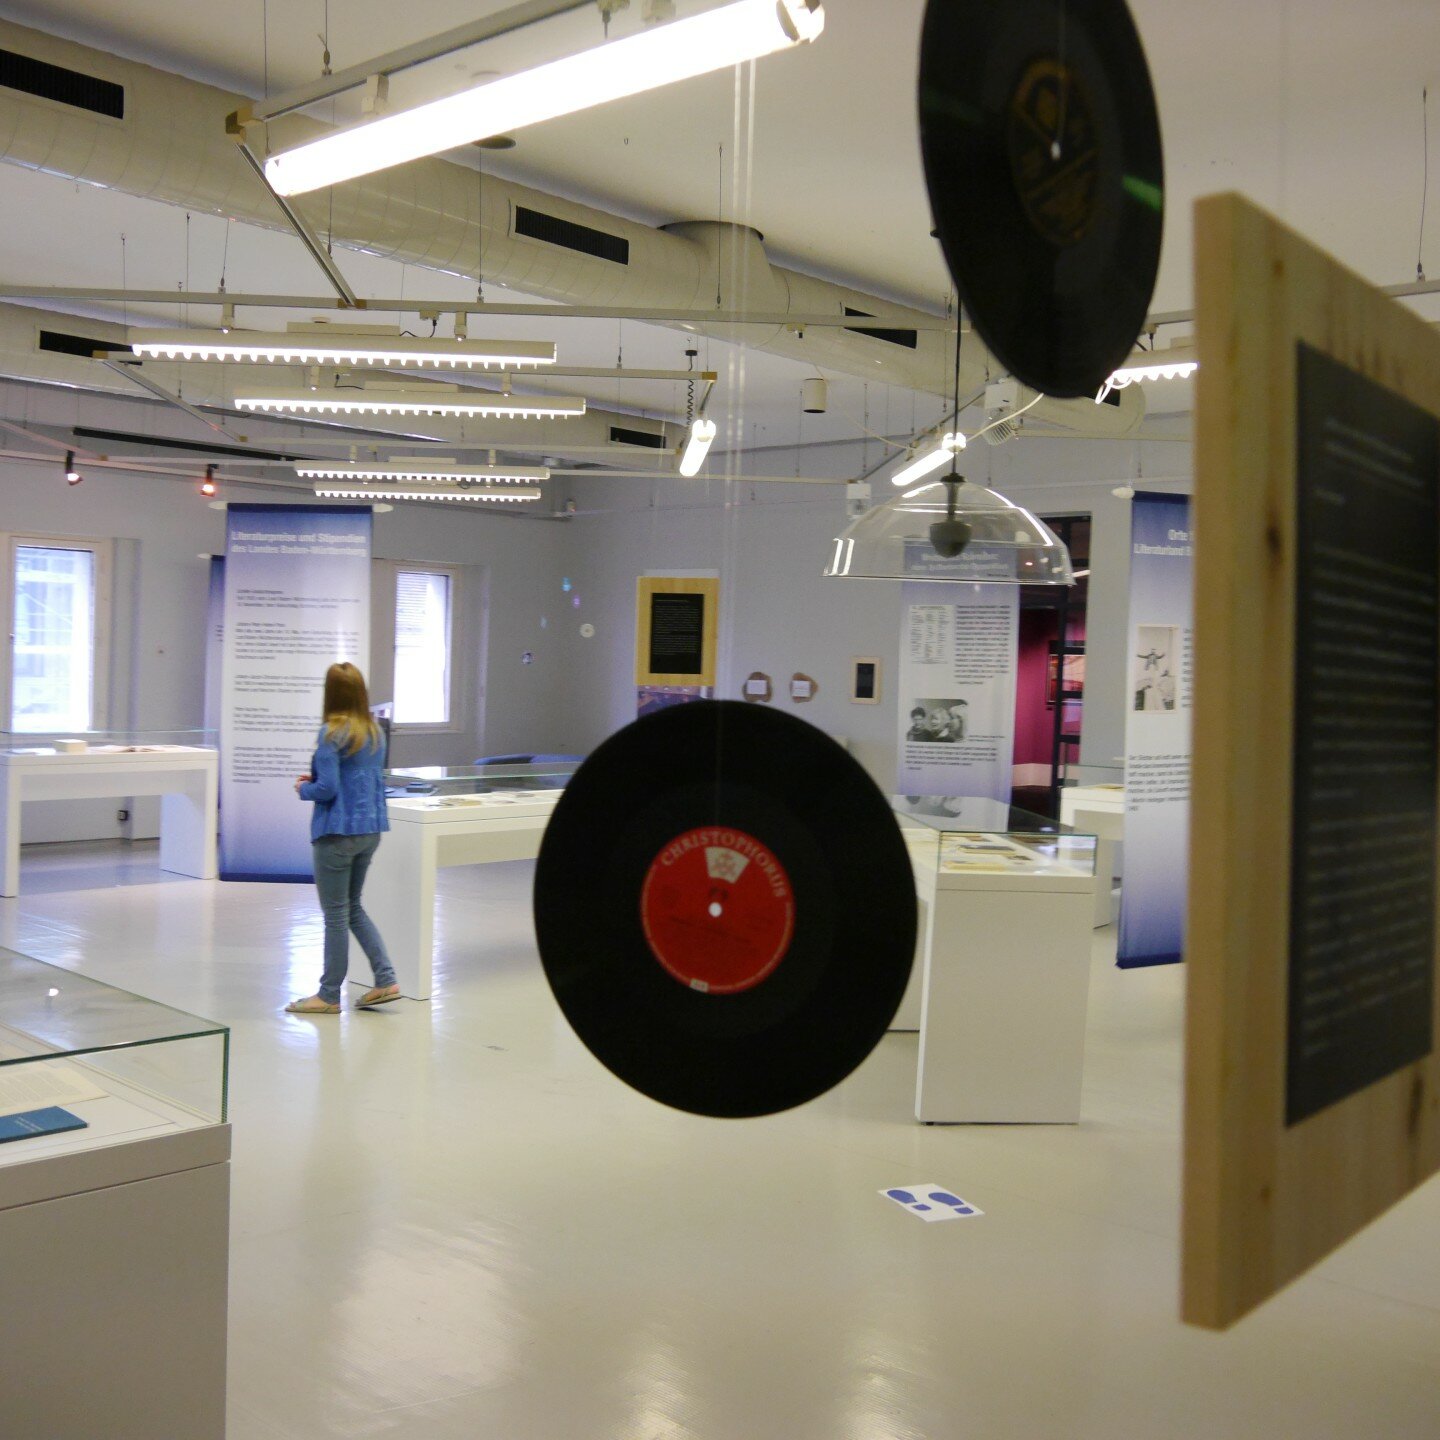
[102, 620]
[450, 725]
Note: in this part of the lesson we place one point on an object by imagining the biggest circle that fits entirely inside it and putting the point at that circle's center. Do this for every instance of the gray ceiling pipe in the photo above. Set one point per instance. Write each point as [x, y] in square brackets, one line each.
[169, 144]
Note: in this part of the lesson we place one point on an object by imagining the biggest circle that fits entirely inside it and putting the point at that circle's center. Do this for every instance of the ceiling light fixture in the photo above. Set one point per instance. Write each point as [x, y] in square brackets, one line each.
[697, 447]
[490, 474]
[448, 400]
[359, 347]
[951, 530]
[698, 45]
[207, 485]
[72, 475]
[415, 490]
[926, 463]
[1176, 363]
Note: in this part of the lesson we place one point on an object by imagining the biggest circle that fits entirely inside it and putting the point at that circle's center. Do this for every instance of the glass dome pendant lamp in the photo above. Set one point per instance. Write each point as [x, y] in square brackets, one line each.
[951, 529]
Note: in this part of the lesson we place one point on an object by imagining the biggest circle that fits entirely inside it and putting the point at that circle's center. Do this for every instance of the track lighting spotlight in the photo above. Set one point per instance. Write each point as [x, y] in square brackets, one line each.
[72, 475]
[207, 485]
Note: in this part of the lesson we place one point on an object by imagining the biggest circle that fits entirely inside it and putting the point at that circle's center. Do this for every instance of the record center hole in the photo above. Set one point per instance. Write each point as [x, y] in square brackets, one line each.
[716, 909]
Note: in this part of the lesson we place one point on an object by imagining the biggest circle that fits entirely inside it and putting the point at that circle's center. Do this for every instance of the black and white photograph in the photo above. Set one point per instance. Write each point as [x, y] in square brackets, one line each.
[1155, 668]
[937, 722]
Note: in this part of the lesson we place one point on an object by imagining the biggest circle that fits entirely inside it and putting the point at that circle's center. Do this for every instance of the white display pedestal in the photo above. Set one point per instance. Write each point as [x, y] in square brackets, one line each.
[907, 1017]
[187, 778]
[116, 1271]
[1098, 810]
[1006, 977]
[425, 835]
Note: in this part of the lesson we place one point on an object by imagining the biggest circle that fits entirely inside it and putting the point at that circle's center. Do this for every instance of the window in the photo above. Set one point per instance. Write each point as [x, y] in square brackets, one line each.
[422, 647]
[57, 600]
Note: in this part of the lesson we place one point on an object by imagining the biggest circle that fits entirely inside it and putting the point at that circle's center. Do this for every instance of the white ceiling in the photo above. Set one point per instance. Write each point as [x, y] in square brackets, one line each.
[1313, 109]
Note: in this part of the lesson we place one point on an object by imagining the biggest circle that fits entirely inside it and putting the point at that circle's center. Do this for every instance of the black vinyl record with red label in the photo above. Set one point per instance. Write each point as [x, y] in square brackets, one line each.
[1043, 160]
[725, 909]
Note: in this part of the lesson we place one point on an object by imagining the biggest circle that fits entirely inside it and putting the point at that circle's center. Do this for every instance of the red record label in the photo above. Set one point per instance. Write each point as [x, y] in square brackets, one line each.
[718, 910]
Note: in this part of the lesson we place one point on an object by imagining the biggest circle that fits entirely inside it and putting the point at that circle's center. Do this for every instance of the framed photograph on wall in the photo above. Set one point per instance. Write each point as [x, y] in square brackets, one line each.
[865, 680]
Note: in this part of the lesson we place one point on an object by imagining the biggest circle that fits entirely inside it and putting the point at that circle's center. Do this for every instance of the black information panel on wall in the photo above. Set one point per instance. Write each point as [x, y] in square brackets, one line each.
[677, 633]
[1367, 673]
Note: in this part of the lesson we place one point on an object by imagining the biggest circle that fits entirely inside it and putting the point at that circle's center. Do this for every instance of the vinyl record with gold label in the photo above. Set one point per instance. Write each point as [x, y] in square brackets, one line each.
[725, 908]
[1043, 160]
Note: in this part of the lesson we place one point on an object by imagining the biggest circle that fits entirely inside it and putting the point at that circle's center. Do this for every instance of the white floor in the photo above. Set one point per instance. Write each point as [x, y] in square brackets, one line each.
[450, 1222]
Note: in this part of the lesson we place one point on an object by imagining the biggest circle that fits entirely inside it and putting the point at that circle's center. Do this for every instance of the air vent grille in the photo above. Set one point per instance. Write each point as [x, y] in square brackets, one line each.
[648, 438]
[910, 339]
[54, 82]
[58, 343]
[536, 225]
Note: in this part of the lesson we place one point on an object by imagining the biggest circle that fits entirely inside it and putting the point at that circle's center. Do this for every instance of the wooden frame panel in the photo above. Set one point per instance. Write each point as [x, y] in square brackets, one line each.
[647, 588]
[1264, 1200]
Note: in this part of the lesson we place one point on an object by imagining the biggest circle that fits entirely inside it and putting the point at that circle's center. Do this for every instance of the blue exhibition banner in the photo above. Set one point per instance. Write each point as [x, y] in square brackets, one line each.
[296, 601]
[1157, 731]
[214, 642]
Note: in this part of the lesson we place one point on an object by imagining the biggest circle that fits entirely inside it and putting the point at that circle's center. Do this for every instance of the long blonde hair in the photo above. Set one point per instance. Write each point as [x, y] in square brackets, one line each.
[347, 710]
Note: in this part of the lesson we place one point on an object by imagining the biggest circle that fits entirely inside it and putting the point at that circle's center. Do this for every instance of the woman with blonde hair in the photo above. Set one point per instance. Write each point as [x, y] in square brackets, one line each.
[347, 785]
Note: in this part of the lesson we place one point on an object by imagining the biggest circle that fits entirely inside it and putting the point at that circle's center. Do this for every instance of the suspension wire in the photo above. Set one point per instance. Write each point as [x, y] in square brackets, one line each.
[740, 192]
[719, 218]
[1425, 179]
[955, 398]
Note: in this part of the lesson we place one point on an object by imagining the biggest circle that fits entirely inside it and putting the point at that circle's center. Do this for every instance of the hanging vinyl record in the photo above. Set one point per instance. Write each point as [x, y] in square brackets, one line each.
[725, 908]
[1041, 145]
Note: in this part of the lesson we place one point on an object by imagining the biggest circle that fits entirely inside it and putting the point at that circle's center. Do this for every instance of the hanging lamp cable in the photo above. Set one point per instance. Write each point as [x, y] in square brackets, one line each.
[1424, 179]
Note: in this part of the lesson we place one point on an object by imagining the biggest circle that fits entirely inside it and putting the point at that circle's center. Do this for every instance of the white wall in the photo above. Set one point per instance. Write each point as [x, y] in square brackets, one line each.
[777, 614]
[770, 542]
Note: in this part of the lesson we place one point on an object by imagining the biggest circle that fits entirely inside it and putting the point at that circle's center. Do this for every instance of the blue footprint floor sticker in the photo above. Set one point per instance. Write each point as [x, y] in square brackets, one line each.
[931, 1202]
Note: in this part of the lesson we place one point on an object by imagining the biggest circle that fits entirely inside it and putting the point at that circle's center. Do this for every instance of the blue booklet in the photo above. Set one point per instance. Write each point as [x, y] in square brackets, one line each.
[49, 1121]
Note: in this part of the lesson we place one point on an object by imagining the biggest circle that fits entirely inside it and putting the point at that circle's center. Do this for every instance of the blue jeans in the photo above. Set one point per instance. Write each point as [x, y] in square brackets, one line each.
[340, 865]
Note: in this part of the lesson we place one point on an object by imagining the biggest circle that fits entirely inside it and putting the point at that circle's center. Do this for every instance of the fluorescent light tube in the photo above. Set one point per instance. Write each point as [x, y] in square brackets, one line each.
[446, 401]
[488, 474]
[358, 490]
[930, 460]
[1177, 363]
[341, 349]
[659, 55]
[1173, 370]
[697, 447]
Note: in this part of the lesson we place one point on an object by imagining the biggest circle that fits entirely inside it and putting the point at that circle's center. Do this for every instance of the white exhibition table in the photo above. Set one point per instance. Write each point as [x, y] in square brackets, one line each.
[1098, 810]
[426, 833]
[1003, 964]
[185, 776]
[1004, 987]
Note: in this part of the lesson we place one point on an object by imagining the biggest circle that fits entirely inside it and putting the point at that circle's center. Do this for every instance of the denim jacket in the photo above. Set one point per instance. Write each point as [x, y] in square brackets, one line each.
[348, 790]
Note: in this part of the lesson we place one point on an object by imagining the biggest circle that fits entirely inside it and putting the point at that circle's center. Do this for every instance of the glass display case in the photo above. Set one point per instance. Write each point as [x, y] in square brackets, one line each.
[106, 1065]
[954, 835]
[103, 742]
[474, 780]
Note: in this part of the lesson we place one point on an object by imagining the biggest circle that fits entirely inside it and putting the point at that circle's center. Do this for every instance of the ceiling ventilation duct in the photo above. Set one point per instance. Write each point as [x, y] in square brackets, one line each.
[169, 144]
